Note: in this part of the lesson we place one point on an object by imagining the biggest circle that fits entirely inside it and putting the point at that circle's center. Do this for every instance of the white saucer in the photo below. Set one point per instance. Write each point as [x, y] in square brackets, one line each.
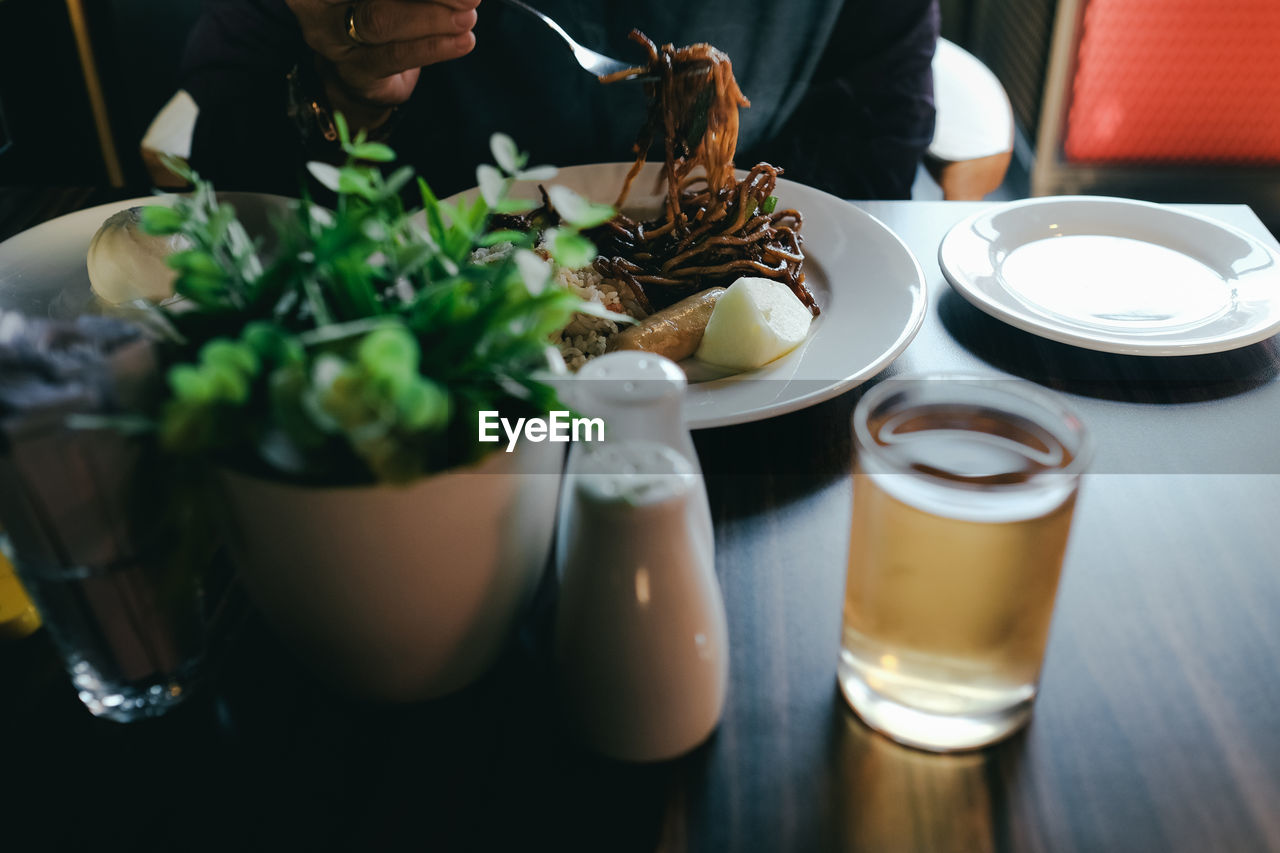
[1116, 275]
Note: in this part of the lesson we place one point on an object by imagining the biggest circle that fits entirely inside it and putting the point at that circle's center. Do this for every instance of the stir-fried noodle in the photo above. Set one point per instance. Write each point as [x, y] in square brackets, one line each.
[713, 227]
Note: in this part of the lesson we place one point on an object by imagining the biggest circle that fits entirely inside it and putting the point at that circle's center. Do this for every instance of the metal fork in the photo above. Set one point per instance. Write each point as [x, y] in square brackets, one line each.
[591, 61]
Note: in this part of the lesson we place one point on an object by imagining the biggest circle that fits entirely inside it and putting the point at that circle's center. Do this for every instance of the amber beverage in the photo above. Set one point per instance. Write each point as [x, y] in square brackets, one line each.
[963, 496]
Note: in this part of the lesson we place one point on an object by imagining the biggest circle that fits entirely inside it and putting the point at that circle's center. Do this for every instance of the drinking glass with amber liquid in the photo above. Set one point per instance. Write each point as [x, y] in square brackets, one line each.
[963, 495]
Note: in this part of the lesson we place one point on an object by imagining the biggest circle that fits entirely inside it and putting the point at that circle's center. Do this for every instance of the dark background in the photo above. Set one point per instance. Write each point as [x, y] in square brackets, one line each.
[138, 46]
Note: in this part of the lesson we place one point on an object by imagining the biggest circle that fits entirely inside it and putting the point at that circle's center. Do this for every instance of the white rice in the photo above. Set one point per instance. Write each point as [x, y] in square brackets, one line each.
[585, 337]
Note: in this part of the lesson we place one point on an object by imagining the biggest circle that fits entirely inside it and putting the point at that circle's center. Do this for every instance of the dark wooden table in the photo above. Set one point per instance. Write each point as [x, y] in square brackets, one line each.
[1157, 727]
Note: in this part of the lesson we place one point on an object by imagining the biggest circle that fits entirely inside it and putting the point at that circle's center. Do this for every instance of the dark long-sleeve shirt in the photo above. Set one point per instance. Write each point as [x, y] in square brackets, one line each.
[841, 92]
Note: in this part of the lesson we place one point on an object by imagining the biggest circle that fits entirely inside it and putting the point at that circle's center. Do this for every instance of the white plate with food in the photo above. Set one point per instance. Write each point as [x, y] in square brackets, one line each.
[868, 286]
[1116, 275]
[43, 270]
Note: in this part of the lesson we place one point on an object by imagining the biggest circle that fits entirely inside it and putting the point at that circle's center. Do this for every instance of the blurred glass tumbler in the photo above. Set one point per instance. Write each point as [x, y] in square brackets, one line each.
[962, 501]
[111, 558]
[106, 534]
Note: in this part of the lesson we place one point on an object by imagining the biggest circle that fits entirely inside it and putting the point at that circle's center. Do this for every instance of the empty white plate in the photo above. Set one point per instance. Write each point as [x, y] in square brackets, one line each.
[1116, 275]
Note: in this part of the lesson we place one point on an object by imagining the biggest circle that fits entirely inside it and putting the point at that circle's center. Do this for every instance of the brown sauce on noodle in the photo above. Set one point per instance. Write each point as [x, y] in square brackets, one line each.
[714, 227]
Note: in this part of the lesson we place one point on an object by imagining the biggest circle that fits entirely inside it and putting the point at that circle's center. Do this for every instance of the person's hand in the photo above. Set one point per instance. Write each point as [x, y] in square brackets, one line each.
[369, 74]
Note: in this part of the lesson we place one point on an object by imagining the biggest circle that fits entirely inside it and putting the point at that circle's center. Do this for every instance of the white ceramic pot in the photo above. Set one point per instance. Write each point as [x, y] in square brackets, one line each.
[399, 593]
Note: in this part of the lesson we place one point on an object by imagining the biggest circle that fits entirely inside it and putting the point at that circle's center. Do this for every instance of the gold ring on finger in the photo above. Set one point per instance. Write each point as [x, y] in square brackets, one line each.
[352, 32]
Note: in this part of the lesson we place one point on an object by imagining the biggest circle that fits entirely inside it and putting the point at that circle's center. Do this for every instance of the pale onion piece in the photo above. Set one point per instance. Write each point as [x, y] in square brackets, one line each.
[125, 263]
[755, 321]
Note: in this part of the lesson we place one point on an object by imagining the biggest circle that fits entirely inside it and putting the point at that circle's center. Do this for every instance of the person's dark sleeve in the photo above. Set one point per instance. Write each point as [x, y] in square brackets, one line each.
[235, 67]
[861, 128]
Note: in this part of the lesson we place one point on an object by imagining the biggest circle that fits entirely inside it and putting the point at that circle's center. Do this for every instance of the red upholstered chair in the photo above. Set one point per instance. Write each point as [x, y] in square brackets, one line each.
[1170, 100]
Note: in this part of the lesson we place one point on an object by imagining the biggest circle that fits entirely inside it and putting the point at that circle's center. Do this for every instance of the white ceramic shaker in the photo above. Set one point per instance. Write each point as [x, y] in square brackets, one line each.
[641, 397]
[641, 641]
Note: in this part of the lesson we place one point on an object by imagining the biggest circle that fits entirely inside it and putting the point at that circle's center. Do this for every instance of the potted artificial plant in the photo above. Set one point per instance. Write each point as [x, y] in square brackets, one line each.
[336, 384]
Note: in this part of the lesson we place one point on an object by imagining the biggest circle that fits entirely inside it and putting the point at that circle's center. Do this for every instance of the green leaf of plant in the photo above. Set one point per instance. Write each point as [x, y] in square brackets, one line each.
[196, 261]
[570, 249]
[204, 290]
[476, 216]
[492, 184]
[188, 383]
[390, 351]
[328, 175]
[423, 405]
[370, 329]
[399, 178]
[595, 309]
[355, 182]
[409, 259]
[326, 367]
[157, 219]
[577, 210]
[449, 214]
[272, 344]
[493, 238]
[534, 271]
[286, 389]
[537, 173]
[324, 336]
[374, 151]
[505, 153]
[228, 383]
[431, 209]
[344, 402]
[230, 354]
[319, 215]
